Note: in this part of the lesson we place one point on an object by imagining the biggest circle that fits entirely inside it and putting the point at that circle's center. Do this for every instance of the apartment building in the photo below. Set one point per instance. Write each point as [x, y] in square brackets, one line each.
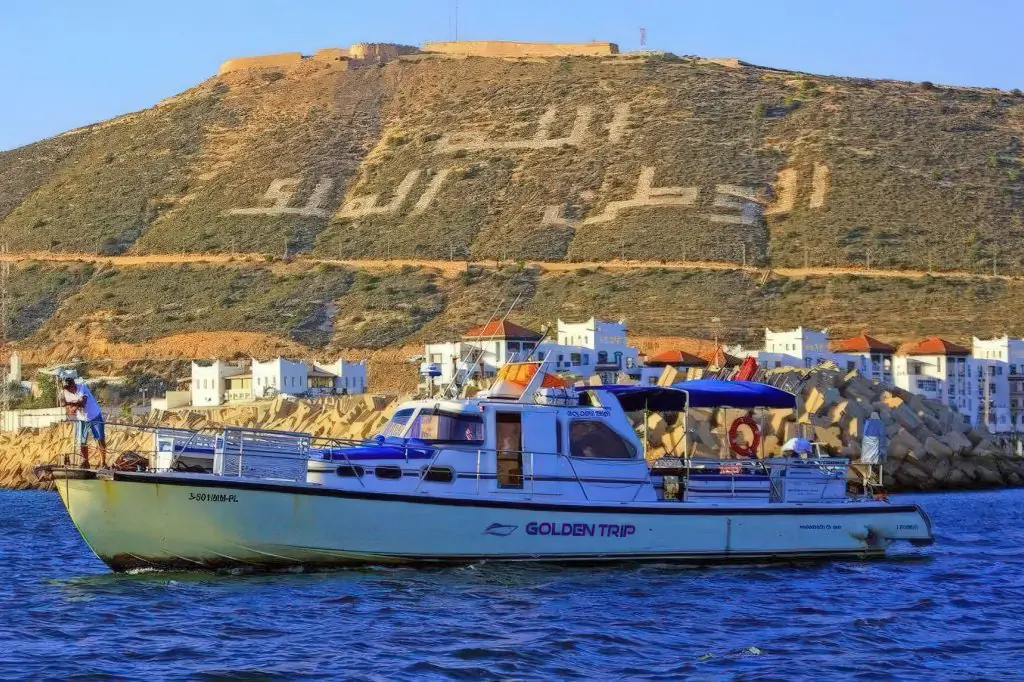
[217, 382]
[873, 357]
[1000, 383]
[940, 370]
[583, 349]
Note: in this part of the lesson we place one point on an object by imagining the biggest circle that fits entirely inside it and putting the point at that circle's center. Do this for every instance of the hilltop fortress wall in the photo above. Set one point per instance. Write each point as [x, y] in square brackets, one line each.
[362, 54]
[505, 48]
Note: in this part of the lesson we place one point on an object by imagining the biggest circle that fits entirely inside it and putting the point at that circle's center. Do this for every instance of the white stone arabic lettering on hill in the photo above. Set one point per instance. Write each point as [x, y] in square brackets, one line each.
[744, 205]
[281, 193]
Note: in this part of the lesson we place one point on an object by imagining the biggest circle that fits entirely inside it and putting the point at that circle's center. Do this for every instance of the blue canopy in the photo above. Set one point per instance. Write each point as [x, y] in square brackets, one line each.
[633, 398]
[718, 393]
[698, 393]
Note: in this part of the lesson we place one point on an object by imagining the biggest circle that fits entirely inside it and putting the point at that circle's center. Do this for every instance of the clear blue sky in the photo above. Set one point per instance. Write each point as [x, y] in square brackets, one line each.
[67, 63]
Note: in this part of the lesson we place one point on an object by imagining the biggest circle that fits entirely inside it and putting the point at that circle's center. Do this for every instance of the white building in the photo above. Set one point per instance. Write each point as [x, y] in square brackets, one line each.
[349, 377]
[800, 347]
[940, 370]
[279, 376]
[592, 347]
[209, 381]
[217, 382]
[481, 351]
[1000, 383]
[874, 356]
[580, 349]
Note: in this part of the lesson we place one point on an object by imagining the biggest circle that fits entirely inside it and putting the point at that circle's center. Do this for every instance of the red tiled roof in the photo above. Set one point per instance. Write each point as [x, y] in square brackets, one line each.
[502, 329]
[676, 358]
[704, 350]
[933, 345]
[862, 344]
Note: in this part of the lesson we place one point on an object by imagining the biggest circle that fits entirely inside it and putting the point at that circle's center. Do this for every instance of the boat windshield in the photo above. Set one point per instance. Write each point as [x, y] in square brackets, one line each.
[396, 425]
[447, 427]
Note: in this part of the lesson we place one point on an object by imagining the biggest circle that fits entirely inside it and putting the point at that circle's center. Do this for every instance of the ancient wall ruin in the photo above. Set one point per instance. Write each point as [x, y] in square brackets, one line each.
[267, 61]
[359, 54]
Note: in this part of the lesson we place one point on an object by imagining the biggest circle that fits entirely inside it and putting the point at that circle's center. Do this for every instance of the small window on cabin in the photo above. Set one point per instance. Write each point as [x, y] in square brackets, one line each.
[388, 472]
[350, 471]
[439, 474]
[596, 440]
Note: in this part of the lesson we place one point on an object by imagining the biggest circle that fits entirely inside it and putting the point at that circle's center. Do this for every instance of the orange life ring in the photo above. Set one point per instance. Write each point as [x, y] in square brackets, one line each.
[749, 450]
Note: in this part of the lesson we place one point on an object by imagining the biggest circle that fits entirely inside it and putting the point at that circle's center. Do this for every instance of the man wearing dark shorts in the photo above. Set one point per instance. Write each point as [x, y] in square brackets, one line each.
[87, 417]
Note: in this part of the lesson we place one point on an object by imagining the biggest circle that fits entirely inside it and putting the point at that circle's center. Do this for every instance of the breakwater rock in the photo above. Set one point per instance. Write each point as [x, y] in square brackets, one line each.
[354, 417]
[928, 445]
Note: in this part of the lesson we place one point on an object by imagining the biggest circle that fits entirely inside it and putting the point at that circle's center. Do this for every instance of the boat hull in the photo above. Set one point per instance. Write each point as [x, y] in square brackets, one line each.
[169, 522]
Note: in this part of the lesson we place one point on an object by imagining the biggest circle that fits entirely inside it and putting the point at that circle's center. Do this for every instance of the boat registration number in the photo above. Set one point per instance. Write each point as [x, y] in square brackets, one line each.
[212, 497]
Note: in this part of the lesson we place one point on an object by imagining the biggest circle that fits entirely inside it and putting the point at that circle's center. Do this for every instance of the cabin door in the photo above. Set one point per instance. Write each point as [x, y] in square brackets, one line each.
[509, 446]
[540, 445]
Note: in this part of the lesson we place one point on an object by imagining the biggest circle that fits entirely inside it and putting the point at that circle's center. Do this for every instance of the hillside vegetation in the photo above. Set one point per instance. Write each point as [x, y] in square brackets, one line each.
[335, 308]
[771, 161]
[577, 159]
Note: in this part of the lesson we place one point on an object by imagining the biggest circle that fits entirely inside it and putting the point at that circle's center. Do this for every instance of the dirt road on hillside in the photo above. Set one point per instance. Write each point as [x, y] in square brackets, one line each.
[452, 268]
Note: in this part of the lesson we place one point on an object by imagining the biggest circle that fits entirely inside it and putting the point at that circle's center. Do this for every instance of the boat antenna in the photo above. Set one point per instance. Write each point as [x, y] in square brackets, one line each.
[479, 350]
[545, 332]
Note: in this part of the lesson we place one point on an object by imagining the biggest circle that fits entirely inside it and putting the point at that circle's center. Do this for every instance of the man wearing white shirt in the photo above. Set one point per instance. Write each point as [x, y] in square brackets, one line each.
[85, 412]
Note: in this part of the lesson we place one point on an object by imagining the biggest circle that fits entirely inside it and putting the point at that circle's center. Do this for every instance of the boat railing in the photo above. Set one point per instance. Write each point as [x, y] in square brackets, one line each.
[779, 479]
[235, 451]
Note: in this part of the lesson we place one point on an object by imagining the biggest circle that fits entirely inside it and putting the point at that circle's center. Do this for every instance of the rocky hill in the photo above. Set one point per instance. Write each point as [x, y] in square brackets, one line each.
[579, 158]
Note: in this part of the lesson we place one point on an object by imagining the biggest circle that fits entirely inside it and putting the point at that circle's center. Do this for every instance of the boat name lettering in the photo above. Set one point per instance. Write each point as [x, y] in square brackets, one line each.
[907, 526]
[821, 526]
[589, 413]
[212, 497]
[579, 530]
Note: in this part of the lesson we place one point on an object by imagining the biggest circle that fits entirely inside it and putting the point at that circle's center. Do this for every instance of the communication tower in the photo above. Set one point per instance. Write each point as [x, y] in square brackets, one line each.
[643, 36]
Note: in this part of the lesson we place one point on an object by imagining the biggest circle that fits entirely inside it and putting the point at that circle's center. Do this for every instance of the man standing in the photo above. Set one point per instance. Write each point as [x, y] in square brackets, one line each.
[88, 418]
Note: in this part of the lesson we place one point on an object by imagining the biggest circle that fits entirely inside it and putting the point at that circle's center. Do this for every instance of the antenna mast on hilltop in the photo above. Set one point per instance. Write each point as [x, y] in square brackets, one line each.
[643, 36]
[456, 20]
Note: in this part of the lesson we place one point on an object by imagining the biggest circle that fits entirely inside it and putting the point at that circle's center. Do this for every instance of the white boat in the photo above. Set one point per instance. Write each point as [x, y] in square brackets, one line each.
[523, 472]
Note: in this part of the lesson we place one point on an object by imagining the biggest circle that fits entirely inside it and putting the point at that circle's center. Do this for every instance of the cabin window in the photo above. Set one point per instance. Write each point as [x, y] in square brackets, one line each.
[447, 427]
[439, 474]
[594, 439]
[388, 472]
[350, 470]
[396, 425]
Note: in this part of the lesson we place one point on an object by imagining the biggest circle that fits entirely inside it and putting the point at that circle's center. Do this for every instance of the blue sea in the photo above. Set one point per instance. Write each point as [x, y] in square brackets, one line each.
[951, 611]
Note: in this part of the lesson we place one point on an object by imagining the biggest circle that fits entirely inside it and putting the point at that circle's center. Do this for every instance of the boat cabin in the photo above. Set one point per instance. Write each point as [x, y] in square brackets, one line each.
[530, 436]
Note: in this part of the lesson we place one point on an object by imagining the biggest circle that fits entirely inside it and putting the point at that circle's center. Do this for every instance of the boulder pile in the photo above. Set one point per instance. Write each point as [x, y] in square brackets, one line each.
[928, 445]
[349, 417]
